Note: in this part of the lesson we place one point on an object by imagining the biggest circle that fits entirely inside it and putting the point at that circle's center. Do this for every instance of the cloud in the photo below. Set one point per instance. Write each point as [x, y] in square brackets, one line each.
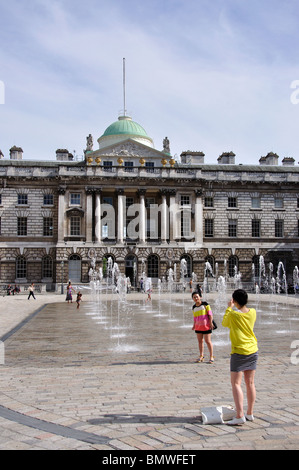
[212, 76]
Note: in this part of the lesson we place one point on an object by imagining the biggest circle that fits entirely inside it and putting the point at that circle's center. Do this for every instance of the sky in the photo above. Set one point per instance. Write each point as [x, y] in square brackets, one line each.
[213, 76]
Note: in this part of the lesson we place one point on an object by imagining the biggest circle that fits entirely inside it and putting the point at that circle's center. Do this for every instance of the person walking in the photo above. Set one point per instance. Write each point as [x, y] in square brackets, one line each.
[244, 353]
[31, 291]
[202, 325]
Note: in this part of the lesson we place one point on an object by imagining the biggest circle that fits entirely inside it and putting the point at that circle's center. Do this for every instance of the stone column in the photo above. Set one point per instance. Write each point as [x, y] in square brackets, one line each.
[198, 218]
[61, 214]
[120, 216]
[88, 214]
[98, 225]
[142, 216]
[164, 222]
[173, 222]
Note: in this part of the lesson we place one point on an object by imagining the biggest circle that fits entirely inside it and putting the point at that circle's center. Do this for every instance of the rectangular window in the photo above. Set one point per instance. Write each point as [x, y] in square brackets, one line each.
[232, 202]
[149, 167]
[107, 166]
[129, 201]
[185, 224]
[185, 200]
[108, 200]
[209, 201]
[278, 228]
[108, 229]
[22, 199]
[209, 228]
[48, 227]
[21, 268]
[129, 167]
[75, 226]
[256, 228]
[22, 226]
[256, 202]
[48, 199]
[149, 201]
[232, 228]
[75, 199]
[278, 203]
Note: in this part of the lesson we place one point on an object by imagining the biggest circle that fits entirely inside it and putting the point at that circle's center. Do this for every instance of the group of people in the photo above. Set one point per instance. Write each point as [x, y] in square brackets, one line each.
[244, 349]
[12, 290]
[69, 295]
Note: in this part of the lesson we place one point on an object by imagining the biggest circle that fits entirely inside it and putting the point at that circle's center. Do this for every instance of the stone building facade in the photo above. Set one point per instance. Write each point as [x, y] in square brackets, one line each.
[144, 209]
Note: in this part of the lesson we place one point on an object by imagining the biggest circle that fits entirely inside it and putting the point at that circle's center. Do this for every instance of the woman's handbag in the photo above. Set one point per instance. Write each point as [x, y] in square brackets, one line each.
[214, 325]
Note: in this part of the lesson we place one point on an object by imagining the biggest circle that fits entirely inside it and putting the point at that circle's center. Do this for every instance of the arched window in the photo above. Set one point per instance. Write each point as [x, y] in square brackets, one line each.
[233, 265]
[21, 267]
[153, 266]
[47, 267]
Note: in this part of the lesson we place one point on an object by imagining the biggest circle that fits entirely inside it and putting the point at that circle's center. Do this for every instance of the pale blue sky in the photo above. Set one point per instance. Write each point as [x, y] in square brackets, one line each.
[210, 75]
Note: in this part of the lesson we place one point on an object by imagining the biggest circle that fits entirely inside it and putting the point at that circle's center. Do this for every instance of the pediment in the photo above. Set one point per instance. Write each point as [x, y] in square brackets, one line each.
[129, 148]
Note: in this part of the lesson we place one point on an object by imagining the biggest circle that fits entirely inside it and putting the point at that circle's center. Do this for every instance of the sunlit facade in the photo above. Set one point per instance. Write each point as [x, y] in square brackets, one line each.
[146, 210]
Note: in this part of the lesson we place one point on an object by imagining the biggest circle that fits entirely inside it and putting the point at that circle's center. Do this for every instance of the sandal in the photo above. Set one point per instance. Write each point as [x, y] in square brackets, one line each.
[211, 361]
[200, 359]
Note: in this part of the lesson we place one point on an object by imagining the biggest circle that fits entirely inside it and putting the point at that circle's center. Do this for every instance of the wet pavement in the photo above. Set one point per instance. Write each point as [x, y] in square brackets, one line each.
[118, 375]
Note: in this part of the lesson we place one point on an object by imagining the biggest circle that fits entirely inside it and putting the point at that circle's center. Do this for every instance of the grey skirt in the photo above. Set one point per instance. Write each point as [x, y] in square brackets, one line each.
[240, 362]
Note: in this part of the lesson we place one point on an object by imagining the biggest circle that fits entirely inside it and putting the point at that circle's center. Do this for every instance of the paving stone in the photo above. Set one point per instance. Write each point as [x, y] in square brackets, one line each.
[67, 384]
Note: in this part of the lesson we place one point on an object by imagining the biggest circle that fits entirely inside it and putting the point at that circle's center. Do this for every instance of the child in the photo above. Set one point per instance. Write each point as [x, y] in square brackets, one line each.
[202, 325]
[79, 298]
[149, 294]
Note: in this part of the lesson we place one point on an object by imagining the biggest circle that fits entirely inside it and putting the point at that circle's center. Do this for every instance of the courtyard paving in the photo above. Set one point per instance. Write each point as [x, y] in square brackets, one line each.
[120, 375]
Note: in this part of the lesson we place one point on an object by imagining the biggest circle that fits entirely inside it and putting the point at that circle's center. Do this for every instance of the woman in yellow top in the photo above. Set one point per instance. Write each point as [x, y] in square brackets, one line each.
[240, 320]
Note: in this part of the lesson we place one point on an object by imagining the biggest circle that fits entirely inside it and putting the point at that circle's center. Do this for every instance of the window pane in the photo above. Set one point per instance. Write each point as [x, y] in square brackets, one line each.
[256, 202]
[75, 226]
[47, 267]
[232, 228]
[278, 228]
[209, 201]
[48, 199]
[209, 228]
[256, 228]
[21, 267]
[22, 199]
[153, 266]
[48, 227]
[232, 202]
[75, 199]
[22, 226]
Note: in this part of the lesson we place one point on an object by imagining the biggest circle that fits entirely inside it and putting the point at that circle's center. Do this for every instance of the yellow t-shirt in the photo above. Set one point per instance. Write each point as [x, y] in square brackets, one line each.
[243, 340]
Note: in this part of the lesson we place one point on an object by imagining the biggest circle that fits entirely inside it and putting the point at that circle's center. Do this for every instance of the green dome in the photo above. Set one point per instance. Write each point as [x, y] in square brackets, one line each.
[124, 129]
[125, 125]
